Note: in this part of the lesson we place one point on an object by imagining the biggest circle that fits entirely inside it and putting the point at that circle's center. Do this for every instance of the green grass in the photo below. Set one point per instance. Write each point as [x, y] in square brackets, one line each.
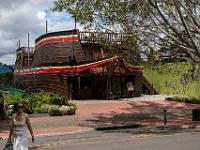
[159, 74]
[185, 99]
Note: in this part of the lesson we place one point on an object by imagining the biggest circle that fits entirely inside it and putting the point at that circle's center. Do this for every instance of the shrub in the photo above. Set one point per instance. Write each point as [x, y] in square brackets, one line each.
[39, 99]
[42, 102]
[58, 100]
[72, 107]
[29, 102]
[54, 110]
[72, 104]
[64, 109]
[72, 110]
[11, 99]
[44, 108]
[42, 97]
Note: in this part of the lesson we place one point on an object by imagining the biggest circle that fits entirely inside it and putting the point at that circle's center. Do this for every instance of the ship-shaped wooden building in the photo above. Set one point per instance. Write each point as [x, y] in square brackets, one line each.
[74, 64]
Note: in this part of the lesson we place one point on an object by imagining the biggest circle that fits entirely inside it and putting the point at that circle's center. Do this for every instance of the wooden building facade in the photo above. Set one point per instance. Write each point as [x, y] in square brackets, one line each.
[74, 64]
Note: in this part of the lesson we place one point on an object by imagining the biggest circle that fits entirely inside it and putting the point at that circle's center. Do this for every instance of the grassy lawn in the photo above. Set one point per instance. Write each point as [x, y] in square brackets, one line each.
[166, 78]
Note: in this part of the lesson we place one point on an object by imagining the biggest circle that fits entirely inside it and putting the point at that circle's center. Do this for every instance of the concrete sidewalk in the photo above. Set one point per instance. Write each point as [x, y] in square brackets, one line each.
[141, 98]
[95, 114]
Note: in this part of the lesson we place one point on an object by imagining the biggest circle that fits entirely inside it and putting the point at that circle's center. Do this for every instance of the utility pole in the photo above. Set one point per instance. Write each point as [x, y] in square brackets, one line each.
[75, 21]
[19, 44]
[46, 27]
[28, 50]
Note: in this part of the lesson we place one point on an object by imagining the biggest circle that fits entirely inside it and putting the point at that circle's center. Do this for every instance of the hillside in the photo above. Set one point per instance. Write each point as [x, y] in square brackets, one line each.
[5, 77]
[166, 78]
[4, 69]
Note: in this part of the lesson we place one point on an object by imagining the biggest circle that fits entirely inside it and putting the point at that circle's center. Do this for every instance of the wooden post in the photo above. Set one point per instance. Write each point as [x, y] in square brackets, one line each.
[69, 87]
[107, 87]
[165, 117]
[79, 87]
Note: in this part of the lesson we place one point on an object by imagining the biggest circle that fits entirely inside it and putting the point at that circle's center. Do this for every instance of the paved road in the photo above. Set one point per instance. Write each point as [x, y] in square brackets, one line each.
[120, 140]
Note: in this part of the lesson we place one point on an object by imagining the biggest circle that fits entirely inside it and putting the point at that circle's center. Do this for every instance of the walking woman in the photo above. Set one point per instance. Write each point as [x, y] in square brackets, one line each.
[18, 128]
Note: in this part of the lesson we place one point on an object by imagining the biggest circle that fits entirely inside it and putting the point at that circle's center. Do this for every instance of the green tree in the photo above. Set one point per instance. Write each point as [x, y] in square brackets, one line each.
[6, 79]
[176, 22]
[109, 16]
[156, 23]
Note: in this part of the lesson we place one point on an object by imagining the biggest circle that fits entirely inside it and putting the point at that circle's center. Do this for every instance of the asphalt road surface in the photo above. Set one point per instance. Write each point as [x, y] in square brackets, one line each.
[129, 139]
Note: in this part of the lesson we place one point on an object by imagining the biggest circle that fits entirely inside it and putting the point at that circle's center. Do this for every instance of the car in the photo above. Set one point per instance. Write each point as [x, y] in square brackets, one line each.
[11, 109]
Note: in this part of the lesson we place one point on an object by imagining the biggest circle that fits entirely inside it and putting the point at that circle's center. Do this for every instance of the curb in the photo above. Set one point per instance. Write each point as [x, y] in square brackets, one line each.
[144, 126]
[190, 126]
[58, 134]
[105, 128]
[118, 127]
[174, 126]
[64, 133]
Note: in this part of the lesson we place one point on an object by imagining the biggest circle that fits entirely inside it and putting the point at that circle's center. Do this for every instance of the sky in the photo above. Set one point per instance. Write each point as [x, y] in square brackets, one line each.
[20, 17]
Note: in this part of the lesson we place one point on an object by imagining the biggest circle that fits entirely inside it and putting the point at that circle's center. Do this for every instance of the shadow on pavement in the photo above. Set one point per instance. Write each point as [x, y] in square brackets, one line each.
[154, 130]
[146, 113]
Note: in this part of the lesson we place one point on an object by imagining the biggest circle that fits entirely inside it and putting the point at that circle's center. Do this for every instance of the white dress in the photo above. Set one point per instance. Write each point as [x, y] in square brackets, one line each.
[20, 140]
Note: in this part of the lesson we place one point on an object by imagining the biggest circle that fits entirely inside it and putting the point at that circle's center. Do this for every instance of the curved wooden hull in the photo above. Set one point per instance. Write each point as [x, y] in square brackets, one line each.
[58, 48]
[55, 83]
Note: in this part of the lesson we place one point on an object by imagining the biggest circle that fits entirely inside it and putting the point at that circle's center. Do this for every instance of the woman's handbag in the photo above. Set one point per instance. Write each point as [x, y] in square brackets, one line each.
[9, 145]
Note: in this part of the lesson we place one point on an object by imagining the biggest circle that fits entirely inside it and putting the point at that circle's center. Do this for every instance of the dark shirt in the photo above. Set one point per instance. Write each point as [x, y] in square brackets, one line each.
[1, 109]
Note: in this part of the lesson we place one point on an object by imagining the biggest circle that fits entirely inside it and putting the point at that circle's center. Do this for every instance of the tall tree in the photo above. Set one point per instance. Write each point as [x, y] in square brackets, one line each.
[173, 24]
[177, 24]
[109, 16]
[112, 15]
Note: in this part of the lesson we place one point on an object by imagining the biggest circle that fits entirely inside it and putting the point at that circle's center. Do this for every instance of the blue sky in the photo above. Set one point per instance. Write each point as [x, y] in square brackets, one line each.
[20, 17]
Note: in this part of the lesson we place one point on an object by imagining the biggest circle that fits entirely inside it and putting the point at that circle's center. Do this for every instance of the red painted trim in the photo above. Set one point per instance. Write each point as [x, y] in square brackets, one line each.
[63, 69]
[74, 69]
[56, 40]
[132, 68]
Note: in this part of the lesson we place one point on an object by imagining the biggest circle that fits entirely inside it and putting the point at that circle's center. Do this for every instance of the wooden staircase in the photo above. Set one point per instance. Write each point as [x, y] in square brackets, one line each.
[148, 86]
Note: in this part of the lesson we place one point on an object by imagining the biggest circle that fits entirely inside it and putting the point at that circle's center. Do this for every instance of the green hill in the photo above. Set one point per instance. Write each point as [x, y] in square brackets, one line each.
[166, 78]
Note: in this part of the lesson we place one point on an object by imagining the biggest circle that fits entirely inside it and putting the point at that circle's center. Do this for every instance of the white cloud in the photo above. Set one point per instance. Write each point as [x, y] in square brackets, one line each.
[8, 59]
[41, 15]
[20, 17]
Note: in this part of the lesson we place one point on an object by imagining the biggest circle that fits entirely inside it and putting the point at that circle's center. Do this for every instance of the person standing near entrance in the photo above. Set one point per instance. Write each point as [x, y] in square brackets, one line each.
[18, 129]
[130, 89]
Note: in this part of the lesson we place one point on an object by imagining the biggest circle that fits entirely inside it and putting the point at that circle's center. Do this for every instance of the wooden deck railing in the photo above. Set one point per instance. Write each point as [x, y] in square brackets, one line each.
[26, 50]
[29, 50]
[96, 37]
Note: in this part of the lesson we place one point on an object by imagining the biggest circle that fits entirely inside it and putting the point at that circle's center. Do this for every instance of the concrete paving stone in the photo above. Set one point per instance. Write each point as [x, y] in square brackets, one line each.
[146, 111]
